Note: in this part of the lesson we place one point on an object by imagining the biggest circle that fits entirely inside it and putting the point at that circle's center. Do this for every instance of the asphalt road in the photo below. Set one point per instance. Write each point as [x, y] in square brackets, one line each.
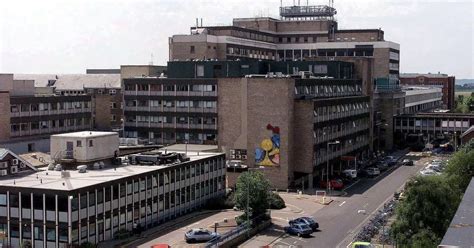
[340, 221]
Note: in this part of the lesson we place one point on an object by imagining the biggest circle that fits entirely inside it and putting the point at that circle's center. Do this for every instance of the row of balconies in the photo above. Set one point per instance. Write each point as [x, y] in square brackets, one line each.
[170, 125]
[170, 109]
[335, 135]
[48, 130]
[321, 118]
[339, 153]
[51, 112]
[170, 93]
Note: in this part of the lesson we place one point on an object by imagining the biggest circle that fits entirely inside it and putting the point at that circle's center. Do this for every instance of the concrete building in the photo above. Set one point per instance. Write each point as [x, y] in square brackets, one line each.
[422, 99]
[258, 108]
[443, 81]
[70, 207]
[307, 33]
[105, 90]
[30, 114]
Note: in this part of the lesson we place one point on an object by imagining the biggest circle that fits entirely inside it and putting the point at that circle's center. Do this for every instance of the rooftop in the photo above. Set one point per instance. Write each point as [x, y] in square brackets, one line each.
[461, 229]
[53, 180]
[85, 134]
[428, 75]
[73, 81]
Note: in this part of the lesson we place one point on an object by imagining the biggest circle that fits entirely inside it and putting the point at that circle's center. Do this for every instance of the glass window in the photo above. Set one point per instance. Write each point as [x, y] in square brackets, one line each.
[91, 198]
[51, 234]
[38, 232]
[3, 199]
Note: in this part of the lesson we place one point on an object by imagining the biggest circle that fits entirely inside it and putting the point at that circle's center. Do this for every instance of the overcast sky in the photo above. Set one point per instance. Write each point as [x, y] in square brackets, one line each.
[68, 36]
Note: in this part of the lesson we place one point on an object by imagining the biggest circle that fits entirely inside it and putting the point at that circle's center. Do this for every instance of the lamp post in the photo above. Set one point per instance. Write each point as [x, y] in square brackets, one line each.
[336, 142]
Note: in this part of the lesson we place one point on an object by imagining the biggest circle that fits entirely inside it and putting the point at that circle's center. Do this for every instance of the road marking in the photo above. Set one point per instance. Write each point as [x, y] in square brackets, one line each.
[354, 183]
[344, 202]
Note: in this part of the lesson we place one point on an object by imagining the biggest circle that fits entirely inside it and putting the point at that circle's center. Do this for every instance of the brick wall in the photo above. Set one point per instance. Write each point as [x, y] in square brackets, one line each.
[4, 116]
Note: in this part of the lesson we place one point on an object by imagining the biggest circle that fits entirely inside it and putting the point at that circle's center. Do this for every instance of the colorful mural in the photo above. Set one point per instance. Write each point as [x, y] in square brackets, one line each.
[268, 153]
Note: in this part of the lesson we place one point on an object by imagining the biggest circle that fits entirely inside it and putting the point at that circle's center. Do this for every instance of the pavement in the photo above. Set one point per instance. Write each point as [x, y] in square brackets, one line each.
[341, 220]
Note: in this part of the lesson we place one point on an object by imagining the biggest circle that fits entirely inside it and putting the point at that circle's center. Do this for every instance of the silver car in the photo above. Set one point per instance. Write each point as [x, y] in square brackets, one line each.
[199, 235]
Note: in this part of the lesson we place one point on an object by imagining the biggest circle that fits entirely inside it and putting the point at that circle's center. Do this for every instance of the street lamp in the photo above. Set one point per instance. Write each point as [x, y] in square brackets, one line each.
[248, 198]
[336, 142]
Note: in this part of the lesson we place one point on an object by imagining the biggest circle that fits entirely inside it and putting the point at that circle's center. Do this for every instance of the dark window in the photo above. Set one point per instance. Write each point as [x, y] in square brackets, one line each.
[51, 234]
[91, 199]
[100, 196]
[14, 201]
[108, 194]
[83, 200]
[25, 201]
[192, 49]
[62, 203]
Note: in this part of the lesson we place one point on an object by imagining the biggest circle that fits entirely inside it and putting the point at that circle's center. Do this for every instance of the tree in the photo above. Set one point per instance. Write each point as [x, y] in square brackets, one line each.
[252, 188]
[429, 205]
[460, 168]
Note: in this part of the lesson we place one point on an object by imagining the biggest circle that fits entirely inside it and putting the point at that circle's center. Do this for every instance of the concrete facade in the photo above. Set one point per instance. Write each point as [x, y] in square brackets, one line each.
[5, 115]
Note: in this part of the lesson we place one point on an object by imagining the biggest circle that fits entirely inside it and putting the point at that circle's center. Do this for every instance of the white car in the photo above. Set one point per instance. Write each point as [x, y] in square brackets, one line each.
[350, 173]
[428, 172]
[434, 167]
[199, 235]
[372, 172]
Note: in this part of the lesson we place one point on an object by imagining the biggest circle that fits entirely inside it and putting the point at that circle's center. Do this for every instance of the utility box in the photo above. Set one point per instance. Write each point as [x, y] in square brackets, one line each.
[85, 147]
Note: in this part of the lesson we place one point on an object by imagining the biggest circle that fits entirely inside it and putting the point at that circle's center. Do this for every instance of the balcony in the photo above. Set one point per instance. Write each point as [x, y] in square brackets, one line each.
[336, 135]
[321, 118]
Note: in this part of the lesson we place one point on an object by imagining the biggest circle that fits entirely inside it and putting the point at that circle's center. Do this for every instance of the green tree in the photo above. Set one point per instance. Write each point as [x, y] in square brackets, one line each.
[252, 188]
[430, 204]
[460, 168]
[425, 238]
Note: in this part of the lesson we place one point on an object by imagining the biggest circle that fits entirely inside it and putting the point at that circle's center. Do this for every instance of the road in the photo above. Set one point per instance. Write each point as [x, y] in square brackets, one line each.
[340, 221]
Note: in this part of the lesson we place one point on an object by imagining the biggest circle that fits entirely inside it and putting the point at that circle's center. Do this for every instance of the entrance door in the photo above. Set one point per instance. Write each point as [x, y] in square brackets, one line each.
[69, 149]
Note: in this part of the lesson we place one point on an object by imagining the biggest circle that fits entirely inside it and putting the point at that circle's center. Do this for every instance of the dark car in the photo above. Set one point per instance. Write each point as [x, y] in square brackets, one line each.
[298, 229]
[407, 162]
[306, 220]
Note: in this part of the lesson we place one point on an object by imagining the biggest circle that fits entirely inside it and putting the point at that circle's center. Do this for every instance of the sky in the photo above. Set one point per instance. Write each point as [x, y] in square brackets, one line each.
[68, 36]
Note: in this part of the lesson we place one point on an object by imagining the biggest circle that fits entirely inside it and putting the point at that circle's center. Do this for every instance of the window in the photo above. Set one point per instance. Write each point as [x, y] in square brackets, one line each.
[14, 169]
[3, 165]
[113, 105]
[112, 92]
[91, 143]
[113, 118]
[79, 143]
[192, 49]
[38, 232]
[200, 71]
[51, 234]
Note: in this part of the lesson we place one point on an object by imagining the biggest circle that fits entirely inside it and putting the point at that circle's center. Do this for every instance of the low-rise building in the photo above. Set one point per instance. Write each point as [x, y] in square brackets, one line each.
[69, 207]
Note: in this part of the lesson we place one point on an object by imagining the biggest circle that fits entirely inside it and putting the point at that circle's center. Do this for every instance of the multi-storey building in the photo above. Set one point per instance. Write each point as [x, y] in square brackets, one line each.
[30, 114]
[104, 88]
[71, 207]
[443, 81]
[243, 104]
[306, 33]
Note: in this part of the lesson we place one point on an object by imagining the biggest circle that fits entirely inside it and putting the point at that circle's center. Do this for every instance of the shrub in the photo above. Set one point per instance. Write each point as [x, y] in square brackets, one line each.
[276, 202]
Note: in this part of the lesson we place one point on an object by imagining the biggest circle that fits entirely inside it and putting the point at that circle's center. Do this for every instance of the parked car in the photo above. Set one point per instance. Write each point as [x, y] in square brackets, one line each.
[333, 183]
[199, 235]
[307, 221]
[428, 172]
[298, 229]
[352, 174]
[371, 172]
[426, 152]
[407, 162]
[360, 244]
[434, 167]
[382, 165]
[391, 160]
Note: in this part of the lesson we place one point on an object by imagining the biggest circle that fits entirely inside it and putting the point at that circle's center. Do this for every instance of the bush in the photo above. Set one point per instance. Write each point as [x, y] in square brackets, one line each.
[276, 202]
[225, 202]
[88, 245]
[122, 234]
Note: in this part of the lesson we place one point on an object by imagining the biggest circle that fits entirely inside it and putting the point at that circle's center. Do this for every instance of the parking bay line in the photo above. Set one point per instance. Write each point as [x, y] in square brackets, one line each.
[344, 202]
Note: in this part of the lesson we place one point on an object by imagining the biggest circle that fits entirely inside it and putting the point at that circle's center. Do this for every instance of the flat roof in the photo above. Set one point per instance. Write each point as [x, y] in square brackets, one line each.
[85, 134]
[52, 180]
[461, 230]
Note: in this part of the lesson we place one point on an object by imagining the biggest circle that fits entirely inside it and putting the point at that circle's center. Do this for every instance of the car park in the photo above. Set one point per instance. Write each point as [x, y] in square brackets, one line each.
[298, 229]
[199, 235]
[336, 184]
[407, 162]
[307, 221]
